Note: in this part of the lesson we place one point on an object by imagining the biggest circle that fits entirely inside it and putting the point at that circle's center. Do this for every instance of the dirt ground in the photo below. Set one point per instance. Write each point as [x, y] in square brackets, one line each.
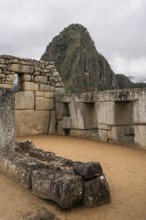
[124, 168]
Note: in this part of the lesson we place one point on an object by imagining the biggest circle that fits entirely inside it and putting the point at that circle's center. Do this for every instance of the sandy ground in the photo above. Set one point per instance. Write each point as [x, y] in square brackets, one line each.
[124, 167]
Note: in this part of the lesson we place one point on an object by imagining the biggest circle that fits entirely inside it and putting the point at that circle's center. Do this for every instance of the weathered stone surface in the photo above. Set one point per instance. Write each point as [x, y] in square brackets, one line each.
[76, 115]
[44, 103]
[49, 95]
[60, 166]
[139, 111]
[50, 156]
[66, 190]
[121, 135]
[19, 68]
[10, 78]
[52, 89]
[55, 73]
[66, 122]
[24, 100]
[140, 136]
[105, 112]
[7, 112]
[29, 86]
[60, 128]
[96, 192]
[7, 86]
[66, 162]
[85, 134]
[41, 79]
[53, 122]
[38, 154]
[59, 110]
[45, 88]
[24, 147]
[26, 78]
[102, 135]
[30, 122]
[88, 170]
[45, 94]
[59, 91]
[19, 167]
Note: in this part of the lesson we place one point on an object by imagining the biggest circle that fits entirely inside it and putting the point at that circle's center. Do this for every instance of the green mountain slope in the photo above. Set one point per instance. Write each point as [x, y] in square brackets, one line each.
[81, 67]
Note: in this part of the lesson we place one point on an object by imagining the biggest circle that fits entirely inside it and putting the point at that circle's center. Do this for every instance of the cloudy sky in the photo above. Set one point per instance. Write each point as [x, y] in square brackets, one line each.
[118, 28]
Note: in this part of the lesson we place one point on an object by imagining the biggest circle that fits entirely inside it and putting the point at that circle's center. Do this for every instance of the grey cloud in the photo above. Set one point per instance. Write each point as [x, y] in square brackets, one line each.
[117, 28]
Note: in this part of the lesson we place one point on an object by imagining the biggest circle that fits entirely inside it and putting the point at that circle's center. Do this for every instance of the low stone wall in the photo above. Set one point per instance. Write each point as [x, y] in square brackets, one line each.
[63, 181]
[38, 82]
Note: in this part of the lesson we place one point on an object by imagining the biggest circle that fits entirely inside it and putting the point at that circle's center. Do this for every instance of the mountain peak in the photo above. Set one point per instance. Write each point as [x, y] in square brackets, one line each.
[81, 67]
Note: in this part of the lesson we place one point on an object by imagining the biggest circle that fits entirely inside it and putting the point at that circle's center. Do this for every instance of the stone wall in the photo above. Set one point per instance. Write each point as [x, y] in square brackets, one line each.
[6, 119]
[38, 83]
[116, 116]
[41, 107]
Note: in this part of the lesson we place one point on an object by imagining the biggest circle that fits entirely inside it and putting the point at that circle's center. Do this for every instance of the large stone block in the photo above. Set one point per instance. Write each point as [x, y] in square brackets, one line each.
[19, 68]
[19, 167]
[24, 100]
[30, 122]
[53, 122]
[123, 113]
[7, 115]
[105, 112]
[76, 114]
[7, 86]
[102, 135]
[10, 78]
[29, 86]
[66, 122]
[65, 190]
[96, 192]
[49, 95]
[59, 110]
[41, 79]
[44, 88]
[42, 103]
[140, 136]
[26, 78]
[90, 116]
[139, 111]
[60, 128]
[89, 170]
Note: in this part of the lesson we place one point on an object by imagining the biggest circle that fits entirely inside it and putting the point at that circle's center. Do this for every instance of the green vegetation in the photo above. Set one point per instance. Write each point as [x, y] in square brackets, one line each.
[81, 67]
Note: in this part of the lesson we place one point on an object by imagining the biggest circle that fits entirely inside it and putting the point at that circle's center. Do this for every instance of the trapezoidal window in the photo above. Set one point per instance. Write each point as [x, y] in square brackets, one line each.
[90, 116]
[123, 112]
[17, 84]
[66, 109]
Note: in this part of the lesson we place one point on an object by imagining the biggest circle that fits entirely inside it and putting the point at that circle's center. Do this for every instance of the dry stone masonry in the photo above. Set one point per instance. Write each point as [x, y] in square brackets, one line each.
[115, 116]
[38, 83]
[41, 106]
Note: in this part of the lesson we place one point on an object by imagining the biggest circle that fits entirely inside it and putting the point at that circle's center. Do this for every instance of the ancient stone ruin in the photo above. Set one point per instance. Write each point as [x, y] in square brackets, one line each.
[68, 183]
[42, 107]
